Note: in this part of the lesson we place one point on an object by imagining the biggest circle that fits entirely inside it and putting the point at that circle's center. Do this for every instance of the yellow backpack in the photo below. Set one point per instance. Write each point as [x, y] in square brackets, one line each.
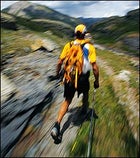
[73, 63]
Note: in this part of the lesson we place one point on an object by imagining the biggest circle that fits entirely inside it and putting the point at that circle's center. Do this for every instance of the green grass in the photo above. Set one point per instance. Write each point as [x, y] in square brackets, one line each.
[18, 40]
[112, 134]
[118, 63]
[14, 40]
[60, 29]
[112, 31]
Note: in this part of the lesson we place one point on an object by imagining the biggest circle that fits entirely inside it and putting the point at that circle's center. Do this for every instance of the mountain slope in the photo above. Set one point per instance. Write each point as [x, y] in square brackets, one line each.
[30, 10]
[121, 32]
[8, 22]
[39, 18]
[90, 21]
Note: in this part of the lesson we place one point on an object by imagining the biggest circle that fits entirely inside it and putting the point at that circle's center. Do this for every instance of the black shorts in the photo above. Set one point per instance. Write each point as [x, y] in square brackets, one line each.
[82, 86]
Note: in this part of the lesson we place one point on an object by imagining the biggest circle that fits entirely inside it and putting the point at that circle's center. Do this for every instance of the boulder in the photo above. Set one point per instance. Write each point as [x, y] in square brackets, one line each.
[44, 45]
[8, 88]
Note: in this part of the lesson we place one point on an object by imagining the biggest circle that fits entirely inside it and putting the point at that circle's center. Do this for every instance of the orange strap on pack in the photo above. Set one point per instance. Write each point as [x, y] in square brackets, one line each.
[76, 77]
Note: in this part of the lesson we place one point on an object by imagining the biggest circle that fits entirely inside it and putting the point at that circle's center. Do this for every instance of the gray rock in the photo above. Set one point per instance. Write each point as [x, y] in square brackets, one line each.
[34, 94]
[7, 88]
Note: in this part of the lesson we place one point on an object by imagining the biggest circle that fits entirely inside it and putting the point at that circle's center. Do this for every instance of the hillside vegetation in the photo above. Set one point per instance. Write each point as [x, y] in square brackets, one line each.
[30, 10]
[39, 18]
[121, 33]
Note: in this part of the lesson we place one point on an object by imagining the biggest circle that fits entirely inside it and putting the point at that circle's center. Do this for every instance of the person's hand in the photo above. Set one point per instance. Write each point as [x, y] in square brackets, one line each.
[53, 77]
[96, 84]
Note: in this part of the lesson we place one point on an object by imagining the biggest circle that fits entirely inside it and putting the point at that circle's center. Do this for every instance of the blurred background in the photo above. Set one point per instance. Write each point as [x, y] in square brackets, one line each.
[33, 34]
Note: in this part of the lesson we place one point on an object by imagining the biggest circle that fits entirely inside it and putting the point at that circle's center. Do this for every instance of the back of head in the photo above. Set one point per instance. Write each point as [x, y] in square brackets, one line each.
[80, 31]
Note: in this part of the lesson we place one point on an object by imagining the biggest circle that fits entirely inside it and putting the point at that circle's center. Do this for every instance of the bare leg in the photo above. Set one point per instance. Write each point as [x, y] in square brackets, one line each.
[63, 110]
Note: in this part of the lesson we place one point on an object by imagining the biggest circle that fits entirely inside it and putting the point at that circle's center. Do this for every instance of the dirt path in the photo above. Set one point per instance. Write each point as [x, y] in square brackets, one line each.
[70, 132]
[43, 145]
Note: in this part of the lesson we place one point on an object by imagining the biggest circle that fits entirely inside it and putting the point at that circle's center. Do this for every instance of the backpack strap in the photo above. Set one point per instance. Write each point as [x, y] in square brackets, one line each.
[85, 50]
[71, 43]
[82, 45]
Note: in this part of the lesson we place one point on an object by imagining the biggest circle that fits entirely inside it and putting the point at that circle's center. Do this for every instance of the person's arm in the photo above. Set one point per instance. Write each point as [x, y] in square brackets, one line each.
[60, 62]
[92, 59]
[62, 57]
[57, 74]
[58, 67]
[96, 74]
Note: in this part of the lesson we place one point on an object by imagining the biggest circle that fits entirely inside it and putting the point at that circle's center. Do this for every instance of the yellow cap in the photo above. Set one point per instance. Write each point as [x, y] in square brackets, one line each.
[81, 28]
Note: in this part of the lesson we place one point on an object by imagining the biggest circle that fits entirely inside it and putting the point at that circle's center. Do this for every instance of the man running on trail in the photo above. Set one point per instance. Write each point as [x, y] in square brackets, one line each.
[83, 85]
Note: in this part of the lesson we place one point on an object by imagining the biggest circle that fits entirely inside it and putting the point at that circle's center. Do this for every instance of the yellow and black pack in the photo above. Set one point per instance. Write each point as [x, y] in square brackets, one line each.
[73, 63]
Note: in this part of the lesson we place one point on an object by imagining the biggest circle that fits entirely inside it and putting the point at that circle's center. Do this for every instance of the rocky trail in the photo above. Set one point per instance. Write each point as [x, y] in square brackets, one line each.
[30, 104]
[29, 110]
